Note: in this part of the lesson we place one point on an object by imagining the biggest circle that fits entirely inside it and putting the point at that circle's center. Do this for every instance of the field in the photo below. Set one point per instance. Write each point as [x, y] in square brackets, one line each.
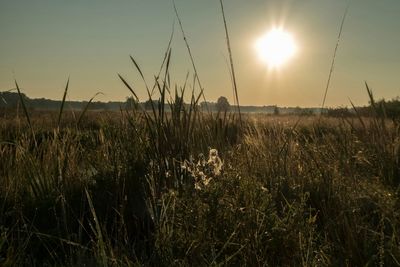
[189, 188]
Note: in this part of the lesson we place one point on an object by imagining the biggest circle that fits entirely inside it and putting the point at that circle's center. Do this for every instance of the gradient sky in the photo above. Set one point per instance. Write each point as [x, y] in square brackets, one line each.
[42, 42]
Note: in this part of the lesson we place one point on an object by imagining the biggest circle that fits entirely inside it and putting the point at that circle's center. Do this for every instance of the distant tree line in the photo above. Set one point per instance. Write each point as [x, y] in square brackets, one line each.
[12, 100]
[387, 108]
[383, 108]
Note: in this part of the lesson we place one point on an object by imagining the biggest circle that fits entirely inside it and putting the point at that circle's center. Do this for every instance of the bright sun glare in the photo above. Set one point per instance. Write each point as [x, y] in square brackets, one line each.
[276, 47]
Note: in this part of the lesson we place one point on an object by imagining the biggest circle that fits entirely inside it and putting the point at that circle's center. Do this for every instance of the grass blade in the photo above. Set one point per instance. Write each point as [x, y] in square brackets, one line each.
[98, 232]
[23, 105]
[140, 71]
[228, 43]
[62, 104]
[129, 87]
[334, 56]
[167, 51]
[190, 55]
[358, 115]
[87, 107]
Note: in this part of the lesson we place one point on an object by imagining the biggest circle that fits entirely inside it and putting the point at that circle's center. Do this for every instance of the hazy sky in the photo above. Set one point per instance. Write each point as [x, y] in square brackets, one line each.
[42, 42]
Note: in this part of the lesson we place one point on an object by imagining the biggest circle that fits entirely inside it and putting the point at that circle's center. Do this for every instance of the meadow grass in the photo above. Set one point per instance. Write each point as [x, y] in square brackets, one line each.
[119, 189]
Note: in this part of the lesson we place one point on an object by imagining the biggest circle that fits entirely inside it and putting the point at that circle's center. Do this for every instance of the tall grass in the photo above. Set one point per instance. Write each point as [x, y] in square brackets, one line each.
[115, 191]
[228, 44]
[334, 54]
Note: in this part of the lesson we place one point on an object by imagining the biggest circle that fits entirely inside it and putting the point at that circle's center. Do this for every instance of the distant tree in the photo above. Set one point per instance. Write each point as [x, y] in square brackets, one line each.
[389, 109]
[12, 99]
[276, 110]
[223, 104]
[204, 106]
[130, 102]
[339, 112]
[179, 100]
[178, 105]
[149, 104]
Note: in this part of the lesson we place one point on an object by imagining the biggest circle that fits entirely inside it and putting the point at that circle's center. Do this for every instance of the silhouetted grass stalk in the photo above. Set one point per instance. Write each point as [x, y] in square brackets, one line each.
[334, 55]
[190, 56]
[228, 43]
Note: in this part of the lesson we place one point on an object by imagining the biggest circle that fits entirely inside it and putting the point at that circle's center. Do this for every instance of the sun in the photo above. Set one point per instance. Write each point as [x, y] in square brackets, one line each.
[276, 47]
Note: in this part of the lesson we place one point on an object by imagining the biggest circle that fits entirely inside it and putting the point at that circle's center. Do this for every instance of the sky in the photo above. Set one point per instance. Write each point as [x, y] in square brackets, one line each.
[43, 42]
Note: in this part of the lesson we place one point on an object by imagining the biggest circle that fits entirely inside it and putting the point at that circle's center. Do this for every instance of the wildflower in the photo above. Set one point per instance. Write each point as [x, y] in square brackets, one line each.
[215, 162]
[264, 189]
[201, 175]
[204, 170]
[207, 180]
[213, 154]
[202, 161]
[197, 186]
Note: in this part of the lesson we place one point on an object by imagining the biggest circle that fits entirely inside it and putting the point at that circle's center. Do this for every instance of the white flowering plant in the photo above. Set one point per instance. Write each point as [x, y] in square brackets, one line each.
[204, 170]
